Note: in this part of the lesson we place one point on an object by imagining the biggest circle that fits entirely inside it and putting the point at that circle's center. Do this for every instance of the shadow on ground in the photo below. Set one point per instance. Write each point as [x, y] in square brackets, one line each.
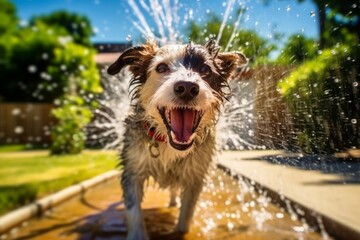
[347, 169]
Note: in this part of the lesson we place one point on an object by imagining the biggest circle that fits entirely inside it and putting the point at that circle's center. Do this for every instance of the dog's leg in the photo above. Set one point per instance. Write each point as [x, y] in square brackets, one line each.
[172, 197]
[133, 193]
[189, 198]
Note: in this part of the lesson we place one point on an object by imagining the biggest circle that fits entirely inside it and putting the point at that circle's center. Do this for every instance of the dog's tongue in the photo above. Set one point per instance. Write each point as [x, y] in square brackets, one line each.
[182, 121]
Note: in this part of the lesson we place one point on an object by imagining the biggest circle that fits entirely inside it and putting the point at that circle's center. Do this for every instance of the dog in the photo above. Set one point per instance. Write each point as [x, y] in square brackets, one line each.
[178, 91]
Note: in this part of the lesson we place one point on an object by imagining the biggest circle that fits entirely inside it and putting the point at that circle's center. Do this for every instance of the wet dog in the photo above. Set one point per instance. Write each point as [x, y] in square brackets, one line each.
[170, 131]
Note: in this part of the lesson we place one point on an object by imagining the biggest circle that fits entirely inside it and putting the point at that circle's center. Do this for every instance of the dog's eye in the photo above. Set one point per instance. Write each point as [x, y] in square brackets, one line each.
[205, 70]
[162, 68]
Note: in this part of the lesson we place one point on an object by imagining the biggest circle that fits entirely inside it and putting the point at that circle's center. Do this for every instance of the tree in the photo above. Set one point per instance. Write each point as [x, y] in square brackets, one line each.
[31, 70]
[297, 49]
[50, 62]
[334, 14]
[77, 26]
[8, 16]
[251, 44]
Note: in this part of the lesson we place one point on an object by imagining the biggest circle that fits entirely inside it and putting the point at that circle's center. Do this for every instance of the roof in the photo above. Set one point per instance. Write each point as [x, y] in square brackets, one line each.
[106, 58]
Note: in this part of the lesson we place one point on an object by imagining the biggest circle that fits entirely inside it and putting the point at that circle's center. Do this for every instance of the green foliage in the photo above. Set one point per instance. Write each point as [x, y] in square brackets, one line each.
[251, 44]
[15, 196]
[74, 112]
[76, 69]
[39, 61]
[338, 35]
[77, 26]
[8, 17]
[324, 98]
[51, 61]
[68, 136]
[27, 55]
[297, 49]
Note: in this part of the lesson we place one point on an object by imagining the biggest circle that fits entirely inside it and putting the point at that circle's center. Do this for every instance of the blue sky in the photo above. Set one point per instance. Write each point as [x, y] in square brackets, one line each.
[113, 20]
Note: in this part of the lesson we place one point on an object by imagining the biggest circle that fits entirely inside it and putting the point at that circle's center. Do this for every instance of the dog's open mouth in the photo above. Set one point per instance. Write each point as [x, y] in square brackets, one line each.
[181, 123]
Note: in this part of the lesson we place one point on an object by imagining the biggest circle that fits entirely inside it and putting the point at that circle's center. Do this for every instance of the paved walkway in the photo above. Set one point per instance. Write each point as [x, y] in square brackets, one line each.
[227, 209]
[331, 187]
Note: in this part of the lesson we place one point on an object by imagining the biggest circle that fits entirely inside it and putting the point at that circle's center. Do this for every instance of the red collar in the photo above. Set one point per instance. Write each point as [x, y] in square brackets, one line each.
[151, 133]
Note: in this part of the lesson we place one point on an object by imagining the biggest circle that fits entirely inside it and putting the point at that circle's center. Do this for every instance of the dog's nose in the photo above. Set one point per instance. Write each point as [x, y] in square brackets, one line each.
[186, 90]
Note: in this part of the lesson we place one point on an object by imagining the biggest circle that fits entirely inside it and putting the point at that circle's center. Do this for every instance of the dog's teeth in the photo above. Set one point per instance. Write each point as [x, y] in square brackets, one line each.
[173, 136]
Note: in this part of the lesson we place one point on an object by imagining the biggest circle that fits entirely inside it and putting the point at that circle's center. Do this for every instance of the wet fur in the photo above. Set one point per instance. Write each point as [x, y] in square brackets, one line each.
[184, 170]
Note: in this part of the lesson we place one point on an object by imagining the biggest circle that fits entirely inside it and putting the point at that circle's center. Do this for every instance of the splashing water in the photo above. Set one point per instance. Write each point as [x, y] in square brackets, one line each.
[236, 123]
[165, 18]
[235, 126]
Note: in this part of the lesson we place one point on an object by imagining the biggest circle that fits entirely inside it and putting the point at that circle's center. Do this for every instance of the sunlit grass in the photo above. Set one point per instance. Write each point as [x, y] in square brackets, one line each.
[28, 175]
[7, 148]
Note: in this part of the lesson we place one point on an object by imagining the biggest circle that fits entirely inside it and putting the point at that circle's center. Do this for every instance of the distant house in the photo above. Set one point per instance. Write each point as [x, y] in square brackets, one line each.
[109, 52]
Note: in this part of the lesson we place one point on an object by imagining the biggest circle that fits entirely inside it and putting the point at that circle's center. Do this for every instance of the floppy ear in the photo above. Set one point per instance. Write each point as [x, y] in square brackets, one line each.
[212, 47]
[231, 63]
[137, 58]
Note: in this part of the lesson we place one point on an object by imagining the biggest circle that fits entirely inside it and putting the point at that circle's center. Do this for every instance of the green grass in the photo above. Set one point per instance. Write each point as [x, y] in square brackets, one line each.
[19, 147]
[28, 175]
[11, 148]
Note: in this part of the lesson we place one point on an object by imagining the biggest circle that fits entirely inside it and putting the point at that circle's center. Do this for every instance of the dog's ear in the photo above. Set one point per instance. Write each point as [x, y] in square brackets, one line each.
[137, 58]
[212, 47]
[231, 63]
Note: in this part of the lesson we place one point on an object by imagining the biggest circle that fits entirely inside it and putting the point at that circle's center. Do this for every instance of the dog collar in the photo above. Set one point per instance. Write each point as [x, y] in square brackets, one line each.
[151, 133]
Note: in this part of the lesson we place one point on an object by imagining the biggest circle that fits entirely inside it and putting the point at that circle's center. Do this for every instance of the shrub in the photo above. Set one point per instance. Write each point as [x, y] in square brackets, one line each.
[68, 135]
[324, 97]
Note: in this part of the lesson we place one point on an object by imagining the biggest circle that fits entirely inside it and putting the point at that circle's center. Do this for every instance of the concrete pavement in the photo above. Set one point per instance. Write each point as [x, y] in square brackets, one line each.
[324, 191]
[225, 210]
[318, 185]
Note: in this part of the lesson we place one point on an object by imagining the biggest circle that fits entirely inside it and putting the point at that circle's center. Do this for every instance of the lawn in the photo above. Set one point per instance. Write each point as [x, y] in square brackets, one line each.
[29, 175]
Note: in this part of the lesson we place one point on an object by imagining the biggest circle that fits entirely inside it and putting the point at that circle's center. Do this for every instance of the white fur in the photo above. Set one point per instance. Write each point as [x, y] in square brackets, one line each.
[144, 157]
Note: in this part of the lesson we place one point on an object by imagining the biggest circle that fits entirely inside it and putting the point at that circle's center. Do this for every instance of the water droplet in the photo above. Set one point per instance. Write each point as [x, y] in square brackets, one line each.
[19, 130]
[63, 67]
[207, 11]
[129, 38]
[299, 228]
[32, 69]
[353, 121]
[312, 14]
[191, 13]
[24, 23]
[45, 76]
[16, 111]
[230, 226]
[57, 102]
[45, 56]
[355, 84]
[279, 215]
[288, 8]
